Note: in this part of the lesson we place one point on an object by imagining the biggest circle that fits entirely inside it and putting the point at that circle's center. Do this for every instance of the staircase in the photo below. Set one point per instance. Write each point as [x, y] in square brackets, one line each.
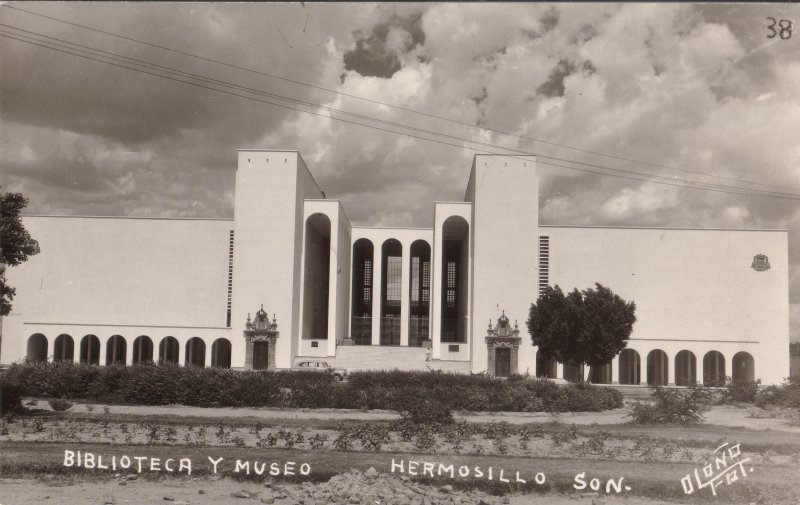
[373, 357]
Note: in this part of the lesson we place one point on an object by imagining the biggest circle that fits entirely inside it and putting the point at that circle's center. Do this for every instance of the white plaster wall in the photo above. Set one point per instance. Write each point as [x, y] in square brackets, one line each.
[505, 210]
[95, 271]
[694, 289]
[270, 188]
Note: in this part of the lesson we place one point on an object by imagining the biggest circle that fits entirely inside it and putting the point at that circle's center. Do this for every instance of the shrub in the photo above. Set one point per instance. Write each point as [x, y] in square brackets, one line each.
[786, 395]
[421, 396]
[10, 398]
[419, 410]
[60, 405]
[683, 406]
[736, 391]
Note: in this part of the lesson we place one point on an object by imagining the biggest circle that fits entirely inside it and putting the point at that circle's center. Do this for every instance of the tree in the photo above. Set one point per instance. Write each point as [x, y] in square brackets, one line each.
[16, 244]
[583, 327]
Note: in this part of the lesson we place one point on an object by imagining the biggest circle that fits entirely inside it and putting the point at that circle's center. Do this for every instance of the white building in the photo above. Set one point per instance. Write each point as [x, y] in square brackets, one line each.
[710, 303]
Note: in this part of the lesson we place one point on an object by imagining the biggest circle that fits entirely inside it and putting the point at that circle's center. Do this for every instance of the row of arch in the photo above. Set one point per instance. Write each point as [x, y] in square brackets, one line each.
[657, 368]
[388, 267]
[116, 350]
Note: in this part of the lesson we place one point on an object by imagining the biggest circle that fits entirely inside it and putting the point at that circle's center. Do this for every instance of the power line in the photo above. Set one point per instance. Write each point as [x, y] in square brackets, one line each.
[397, 107]
[170, 70]
[676, 182]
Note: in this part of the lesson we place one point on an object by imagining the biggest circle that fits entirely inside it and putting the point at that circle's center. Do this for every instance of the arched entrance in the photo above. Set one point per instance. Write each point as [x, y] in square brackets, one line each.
[37, 348]
[546, 367]
[116, 348]
[629, 367]
[316, 274]
[601, 374]
[90, 350]
[196, 352]
[419, 293]
[391, 292]
[685, 368]
[64, 348]
[657, 368]
[361, 323]
[142, 350]
[221, 353]
[714, 369]
[169, 350]
[455, 265]
[743, 367]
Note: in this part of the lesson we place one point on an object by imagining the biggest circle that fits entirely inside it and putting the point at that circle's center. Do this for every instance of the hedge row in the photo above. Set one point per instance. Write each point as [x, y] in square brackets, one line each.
[214, 387]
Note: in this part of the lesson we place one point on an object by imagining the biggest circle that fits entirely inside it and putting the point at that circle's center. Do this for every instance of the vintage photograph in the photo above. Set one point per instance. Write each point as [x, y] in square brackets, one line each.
[399, 253]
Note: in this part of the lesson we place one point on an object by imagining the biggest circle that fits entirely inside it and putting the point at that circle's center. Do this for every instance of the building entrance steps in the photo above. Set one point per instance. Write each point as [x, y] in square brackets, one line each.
[375, 357]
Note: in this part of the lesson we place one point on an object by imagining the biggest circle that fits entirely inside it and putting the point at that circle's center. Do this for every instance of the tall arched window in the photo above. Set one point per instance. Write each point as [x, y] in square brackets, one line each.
[363, 263]
[391, 293]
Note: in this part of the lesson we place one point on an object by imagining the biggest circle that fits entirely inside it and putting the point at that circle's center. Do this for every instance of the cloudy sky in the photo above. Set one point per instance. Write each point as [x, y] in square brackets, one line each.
[687, 95]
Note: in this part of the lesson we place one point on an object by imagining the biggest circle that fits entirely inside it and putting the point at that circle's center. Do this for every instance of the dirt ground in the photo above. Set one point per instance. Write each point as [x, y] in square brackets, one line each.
[720, 415]
[221, 491]
[774, 467]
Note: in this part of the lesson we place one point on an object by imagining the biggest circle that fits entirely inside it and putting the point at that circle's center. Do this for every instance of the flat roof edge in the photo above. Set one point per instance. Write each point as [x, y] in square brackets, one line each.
[672, 228]
[131, 217]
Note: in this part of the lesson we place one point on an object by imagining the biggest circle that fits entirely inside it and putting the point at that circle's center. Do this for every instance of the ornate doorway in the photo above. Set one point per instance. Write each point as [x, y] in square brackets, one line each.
[503, 345]
[502, 362]
[260, 355]
[260, 335]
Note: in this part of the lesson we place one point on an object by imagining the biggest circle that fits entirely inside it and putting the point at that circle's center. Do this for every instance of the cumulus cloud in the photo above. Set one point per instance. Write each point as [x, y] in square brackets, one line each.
[697, 91]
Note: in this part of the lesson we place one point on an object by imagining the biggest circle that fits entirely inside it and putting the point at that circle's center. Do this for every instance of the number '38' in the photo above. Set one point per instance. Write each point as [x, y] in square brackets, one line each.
[784, 30]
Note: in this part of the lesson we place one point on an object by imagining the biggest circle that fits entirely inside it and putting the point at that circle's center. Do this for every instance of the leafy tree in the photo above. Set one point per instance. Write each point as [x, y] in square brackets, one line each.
[16, 244]
[582, 327]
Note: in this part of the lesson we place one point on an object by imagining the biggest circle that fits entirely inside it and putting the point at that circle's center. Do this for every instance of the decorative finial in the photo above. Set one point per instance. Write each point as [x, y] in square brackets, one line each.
[262, 306]
[248, 317]
[515, 324]
[273, 318]
[490, 323]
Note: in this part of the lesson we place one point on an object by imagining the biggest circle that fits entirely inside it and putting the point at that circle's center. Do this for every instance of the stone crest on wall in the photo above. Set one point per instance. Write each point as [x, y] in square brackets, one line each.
[760, 263]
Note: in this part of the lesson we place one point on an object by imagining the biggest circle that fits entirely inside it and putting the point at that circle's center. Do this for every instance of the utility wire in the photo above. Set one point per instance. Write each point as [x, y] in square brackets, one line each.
[170, 70]
[648, 177]
[397, 107]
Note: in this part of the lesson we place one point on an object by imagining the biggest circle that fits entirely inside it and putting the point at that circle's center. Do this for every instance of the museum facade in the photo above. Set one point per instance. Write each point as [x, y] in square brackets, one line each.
[291, 278]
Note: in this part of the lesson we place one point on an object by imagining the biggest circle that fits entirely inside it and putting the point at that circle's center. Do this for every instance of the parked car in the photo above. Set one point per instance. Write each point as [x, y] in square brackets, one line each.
[319, 366]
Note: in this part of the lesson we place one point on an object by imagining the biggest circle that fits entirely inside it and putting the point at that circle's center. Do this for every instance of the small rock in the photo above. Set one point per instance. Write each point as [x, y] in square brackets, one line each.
[268, 499]
[123, 483]
[241, 494]
[588, 495]
[200, 491]
[131, 476]
[598, 501]
[371, 472]
[169, 498]
[446, 489]
[506, 499]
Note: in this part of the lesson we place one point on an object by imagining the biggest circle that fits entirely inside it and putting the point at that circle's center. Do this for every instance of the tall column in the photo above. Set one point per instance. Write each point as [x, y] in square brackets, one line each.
[559, 370]
[129, 352]
[333, 288]
[183, 345]
[377, 295]
[615, 370]
[671, 369]
[101, 350]
[405, 295]
[209, 347]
